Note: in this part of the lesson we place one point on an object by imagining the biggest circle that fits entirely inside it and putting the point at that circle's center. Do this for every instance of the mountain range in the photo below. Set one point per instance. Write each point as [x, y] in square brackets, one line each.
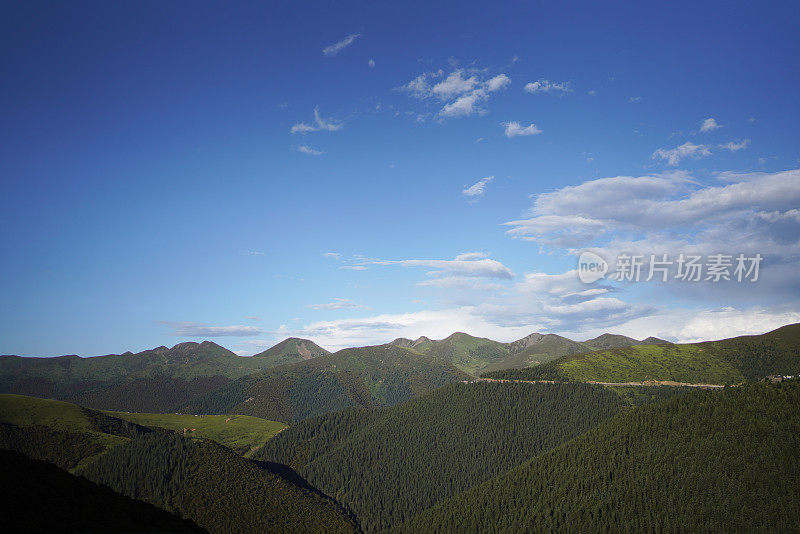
[400, 437]
[208, 377]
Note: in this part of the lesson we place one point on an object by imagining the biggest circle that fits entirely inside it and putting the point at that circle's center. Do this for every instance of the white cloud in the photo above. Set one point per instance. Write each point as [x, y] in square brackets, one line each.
[337, 47]
[464, 105]
[734, 146]
[454, 84]
[332, 255]
[320, 124]
[515, 129]
[498, 82]
[190, 329]
[371, 63]
[465, 256]
[420, 87]
[673, 214]
[658, 202]
[337, 304]
[305, 149]
[709, 125]
[635, 99]
[686, 150]
[548, 87]
[463, 91]
[478, 188]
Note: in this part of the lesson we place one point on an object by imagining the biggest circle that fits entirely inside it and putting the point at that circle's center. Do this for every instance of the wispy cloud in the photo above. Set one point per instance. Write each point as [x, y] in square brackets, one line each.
[515, 129]
[548, 87]
[337, 47]
[734, 146]
[332, 255]
[191, 329]
[478, 188]
[470, 265]
[305, 149]
[635, 99]
[673, 156]
[709, 125]
[371, 63]
[320, 124]
[338, 304]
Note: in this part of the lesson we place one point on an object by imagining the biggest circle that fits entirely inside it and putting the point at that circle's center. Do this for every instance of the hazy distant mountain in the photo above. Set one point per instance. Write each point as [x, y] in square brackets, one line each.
[420, 342]
[382, 375]
[654, 341]
[163, 379]
[155, 380]
[611, 341]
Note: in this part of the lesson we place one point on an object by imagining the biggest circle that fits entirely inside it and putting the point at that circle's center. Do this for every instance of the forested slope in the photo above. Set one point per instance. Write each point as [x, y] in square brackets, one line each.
[389, 464]
[216, 488]
[195, 478]
[707, 461]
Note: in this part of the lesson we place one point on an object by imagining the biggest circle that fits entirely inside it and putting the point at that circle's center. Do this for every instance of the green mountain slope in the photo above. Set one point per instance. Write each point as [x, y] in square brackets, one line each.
[728, 361]
[156, 380]
[475, 355]
[40, 497]
[391, 463]
[382, 375]
[468, 353]
[706, 461]
[240, 433]
[216, 488]
[290, 350]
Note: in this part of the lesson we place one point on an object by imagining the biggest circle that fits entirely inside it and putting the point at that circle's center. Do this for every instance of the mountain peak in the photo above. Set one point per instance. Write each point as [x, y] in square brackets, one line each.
[654, 341]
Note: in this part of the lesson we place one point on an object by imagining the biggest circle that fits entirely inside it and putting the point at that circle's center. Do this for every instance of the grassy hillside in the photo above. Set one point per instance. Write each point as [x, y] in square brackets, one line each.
[383, 375]
[290, 350]
[40, 497]
[156, 380]
[241, 433]
[727, 361]
[707, 461]
[391, 463]
[216, 488]
[59, 432]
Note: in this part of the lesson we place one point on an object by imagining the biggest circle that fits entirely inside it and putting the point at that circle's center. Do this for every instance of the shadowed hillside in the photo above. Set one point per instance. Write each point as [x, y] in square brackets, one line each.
[194, 478]
[40, 497]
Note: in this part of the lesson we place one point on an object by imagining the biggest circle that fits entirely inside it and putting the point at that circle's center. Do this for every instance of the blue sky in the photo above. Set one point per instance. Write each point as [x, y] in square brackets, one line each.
[354, 172]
